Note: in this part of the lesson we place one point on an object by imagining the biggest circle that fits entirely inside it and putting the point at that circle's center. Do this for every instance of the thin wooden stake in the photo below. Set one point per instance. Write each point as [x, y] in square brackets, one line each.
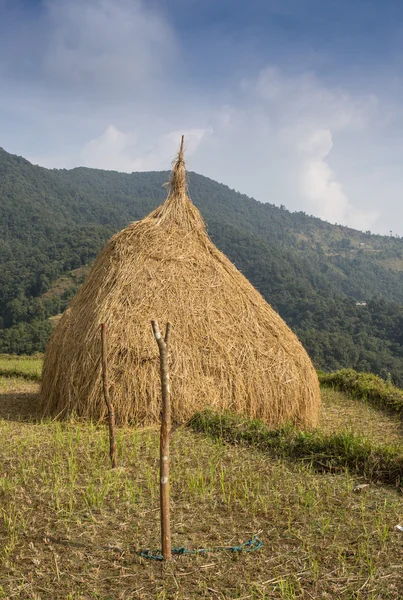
[163, 345]
[111, 411]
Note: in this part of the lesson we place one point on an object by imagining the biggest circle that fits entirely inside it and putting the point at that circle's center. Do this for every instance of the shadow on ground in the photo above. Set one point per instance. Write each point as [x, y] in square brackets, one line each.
[19, 406]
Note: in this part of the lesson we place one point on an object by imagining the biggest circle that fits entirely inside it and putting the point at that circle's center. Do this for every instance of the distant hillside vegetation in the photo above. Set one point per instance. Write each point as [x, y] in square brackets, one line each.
[54, 222]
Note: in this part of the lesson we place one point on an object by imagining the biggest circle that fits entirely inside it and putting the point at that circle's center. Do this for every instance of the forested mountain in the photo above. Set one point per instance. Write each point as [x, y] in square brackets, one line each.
[54, 222]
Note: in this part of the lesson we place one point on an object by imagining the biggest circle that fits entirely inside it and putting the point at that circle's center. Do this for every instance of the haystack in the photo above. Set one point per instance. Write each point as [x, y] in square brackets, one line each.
[229, 348]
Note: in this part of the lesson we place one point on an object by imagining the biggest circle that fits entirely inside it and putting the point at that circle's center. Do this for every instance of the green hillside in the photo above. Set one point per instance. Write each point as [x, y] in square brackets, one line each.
[54, 222]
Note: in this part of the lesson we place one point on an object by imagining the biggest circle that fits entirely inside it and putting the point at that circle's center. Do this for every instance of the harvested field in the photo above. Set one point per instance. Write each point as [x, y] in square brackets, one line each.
[71, 528]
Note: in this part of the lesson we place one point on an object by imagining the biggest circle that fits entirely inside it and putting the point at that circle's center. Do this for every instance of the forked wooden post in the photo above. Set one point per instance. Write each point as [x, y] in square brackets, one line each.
[111, 412]
[163, 345]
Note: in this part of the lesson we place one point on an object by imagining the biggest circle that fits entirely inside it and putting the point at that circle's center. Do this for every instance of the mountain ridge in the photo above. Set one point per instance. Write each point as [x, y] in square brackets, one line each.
[54, 221]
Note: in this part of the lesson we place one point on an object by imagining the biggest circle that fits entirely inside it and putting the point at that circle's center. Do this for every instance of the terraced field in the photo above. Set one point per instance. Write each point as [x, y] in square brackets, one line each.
[72, 528]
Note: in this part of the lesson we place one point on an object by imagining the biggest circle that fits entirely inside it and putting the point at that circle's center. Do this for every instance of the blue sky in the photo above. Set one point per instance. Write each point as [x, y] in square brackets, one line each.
[295, 102]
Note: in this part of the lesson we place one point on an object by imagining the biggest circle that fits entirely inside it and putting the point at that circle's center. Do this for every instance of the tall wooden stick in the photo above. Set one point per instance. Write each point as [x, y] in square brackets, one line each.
[111, 411]
[163, 345]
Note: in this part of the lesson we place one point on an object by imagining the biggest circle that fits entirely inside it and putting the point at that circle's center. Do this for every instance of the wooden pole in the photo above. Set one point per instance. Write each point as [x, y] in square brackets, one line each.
[163, 345]
[111, 412]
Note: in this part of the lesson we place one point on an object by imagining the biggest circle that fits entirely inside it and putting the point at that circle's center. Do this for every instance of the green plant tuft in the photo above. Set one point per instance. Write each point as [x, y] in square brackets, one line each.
[343, 451]
[365, 386]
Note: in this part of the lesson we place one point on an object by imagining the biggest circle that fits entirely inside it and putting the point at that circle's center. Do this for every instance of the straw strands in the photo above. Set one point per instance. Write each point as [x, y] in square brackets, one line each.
[229, 348]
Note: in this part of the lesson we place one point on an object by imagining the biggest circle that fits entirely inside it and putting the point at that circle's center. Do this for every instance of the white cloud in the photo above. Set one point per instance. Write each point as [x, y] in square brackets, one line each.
[324, 194]
[110, 151]
[160, 154]
[116, 150]
[275, 141]
[108, 47]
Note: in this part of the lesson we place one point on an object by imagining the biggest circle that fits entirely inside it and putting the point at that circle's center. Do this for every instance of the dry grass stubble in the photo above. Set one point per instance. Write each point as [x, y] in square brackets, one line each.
[70, 527]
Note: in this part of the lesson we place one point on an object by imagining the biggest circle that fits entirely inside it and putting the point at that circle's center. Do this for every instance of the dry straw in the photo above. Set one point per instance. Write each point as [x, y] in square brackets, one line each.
[229, 348]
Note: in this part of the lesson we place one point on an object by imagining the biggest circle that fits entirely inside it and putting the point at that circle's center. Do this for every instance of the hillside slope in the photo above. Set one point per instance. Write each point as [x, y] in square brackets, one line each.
[54, 222]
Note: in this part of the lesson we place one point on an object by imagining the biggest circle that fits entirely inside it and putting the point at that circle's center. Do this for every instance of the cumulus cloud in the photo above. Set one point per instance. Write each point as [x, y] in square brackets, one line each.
[110, 151]
[275, 142]
[116, 150]
[161, 152]
[324, 194]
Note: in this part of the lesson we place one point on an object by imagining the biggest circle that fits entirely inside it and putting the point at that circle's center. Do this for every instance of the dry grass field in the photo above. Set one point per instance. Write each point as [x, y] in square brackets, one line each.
[71, 528]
